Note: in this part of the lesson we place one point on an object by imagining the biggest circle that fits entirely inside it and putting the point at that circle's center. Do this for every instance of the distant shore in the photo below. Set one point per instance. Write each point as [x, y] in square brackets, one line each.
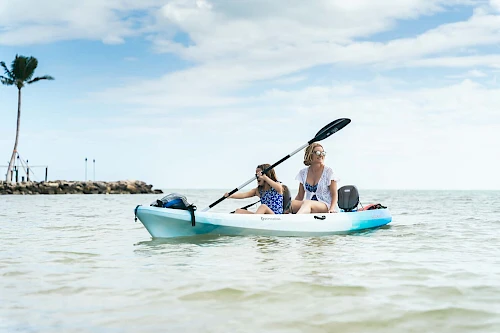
[78, 187]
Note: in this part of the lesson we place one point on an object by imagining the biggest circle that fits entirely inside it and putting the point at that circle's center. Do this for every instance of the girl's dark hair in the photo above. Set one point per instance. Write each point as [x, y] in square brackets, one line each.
[270, 173]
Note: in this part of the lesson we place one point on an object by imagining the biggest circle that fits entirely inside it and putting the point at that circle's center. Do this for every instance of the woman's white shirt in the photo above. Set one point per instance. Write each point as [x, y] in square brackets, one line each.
[323, 191]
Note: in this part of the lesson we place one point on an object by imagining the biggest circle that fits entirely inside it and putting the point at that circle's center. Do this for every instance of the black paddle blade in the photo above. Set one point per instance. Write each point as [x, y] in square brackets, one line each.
[330, 129]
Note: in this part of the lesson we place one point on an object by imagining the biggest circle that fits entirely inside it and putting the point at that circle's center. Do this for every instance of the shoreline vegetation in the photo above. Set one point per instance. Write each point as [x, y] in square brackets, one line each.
[78, 187]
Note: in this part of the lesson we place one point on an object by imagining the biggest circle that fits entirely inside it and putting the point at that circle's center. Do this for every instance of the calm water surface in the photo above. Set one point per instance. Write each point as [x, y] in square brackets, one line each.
[79, 263]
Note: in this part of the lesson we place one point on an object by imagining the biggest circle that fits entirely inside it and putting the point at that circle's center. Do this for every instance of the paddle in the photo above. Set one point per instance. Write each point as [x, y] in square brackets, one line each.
[247, 206]
[322, 134]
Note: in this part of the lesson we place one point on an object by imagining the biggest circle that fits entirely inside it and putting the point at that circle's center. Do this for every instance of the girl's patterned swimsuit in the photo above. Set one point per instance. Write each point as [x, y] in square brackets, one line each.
[272, 199]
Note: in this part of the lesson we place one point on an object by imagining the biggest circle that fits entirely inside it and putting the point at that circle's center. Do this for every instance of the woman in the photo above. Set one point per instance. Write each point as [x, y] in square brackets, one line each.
[318, 185]
[268, 189]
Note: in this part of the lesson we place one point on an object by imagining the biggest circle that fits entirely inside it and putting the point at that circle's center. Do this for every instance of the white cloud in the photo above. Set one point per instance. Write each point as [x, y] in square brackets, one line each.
[301, 35]
[495, 4]
[261, 37]
[238, 45]
[34, 22]
[458, 62]
[474, 73]
[290, 79]
[251, 27]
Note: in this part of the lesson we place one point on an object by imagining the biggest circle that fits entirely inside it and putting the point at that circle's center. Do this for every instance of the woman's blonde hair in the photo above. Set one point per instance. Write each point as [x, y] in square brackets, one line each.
[308, 153]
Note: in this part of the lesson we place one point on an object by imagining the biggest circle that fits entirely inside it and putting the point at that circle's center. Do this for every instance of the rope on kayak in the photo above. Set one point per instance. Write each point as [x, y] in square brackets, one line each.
[191, 208]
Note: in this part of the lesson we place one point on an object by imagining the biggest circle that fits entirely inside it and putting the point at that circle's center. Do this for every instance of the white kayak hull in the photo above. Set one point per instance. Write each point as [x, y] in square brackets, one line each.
[168, 223]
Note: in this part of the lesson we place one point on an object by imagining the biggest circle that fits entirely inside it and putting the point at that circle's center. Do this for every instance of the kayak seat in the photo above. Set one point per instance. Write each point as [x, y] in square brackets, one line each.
[348, 199]
[287, 198]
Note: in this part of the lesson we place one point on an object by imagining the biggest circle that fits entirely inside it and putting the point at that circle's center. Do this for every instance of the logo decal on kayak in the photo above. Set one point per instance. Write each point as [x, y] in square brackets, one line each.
[270, 218]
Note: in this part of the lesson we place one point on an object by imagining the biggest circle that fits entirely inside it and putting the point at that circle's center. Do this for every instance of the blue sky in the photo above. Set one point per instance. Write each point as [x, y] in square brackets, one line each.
[195, 94]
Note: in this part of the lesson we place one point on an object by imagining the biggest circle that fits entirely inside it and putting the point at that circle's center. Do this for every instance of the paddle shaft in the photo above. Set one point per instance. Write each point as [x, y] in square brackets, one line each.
[255, 177]
[247, 206]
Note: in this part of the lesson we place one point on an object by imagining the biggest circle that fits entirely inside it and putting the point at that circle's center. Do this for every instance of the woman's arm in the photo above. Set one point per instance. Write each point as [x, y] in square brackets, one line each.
[300, 194]
[333, 191]
[276, 185]
[242, 195]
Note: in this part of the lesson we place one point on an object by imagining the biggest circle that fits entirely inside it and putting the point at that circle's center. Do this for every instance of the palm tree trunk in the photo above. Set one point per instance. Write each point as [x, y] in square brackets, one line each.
[14, 152]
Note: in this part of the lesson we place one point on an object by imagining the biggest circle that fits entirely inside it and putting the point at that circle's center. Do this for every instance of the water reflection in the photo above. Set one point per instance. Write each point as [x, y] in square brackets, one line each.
[195, 240]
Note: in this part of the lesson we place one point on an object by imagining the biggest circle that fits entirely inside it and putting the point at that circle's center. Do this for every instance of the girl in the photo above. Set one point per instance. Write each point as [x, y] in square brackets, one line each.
[269, 190]
[317, 184]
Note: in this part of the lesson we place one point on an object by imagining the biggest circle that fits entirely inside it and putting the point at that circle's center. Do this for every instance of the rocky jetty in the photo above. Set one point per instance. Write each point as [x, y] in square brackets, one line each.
[78, 187]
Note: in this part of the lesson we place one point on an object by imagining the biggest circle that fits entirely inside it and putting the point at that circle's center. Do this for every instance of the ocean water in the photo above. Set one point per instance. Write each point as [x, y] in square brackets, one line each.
[79, 263]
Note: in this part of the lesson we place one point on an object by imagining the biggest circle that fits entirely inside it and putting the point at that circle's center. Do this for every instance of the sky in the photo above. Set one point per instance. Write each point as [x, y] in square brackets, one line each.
[196, 94]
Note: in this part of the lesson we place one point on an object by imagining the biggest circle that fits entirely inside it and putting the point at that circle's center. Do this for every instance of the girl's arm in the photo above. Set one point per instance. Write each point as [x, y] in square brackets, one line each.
[300, 194]
[333, 191]
[276, 185]
[242, 195]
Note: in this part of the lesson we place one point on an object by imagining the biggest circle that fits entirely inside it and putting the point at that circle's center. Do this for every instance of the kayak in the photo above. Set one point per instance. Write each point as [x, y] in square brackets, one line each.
[168, 223]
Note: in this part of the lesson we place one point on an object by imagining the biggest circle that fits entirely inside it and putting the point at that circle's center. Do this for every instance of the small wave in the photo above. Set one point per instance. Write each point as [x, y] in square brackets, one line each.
[82, 254]
[60, 291]
[451, 319]
[200, 240]
[472, 219]
[441, 291]
[321, 289]
[446, 314]
[225, 294]
[14, 273]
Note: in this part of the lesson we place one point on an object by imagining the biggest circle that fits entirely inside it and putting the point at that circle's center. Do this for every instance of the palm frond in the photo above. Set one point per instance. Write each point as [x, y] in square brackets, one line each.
[45, 77]
[7, 81]
[17, 67]
[7, 71]
[31, 65]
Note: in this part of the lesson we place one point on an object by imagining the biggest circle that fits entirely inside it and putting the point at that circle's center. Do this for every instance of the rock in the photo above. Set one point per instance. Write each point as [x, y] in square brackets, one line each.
[78, 187]
[131, 188]
[101, 185]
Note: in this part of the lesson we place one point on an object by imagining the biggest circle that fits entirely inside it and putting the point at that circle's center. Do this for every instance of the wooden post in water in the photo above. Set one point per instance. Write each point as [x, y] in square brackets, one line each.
[16, 168]
[46, 172]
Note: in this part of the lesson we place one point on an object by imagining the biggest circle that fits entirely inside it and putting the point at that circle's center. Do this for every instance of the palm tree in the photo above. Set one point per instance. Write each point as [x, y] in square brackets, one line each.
[20, 73]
